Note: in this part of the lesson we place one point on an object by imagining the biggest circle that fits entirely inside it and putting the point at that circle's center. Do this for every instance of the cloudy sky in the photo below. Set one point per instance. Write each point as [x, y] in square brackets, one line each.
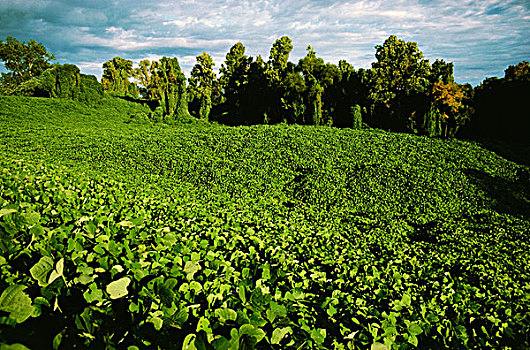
[481, 37]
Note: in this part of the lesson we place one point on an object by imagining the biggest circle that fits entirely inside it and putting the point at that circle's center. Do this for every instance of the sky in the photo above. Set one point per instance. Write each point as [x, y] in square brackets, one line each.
[481, 37]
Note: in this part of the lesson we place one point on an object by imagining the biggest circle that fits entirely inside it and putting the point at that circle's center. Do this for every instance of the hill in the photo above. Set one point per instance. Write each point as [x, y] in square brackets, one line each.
[117, 231]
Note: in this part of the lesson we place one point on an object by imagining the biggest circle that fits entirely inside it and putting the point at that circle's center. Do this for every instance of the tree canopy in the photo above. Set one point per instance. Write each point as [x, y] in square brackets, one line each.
[401, 91]
[24, 60]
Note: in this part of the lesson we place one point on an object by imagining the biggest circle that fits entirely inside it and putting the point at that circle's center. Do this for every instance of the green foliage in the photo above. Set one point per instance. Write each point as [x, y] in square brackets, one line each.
[357, 121]
[233, 80]
[443, 71]
[318, 76]
[17, 303]
[62, 81]
[169, 84]
[24, 60]
[400, 71]
[146, 235]
[90, 89]
[143, 74]
[432, 122]
[203, 87]
[116, 74]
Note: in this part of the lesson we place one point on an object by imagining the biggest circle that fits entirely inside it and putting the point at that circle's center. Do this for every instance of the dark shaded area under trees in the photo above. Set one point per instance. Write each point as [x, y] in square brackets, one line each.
[401, 92]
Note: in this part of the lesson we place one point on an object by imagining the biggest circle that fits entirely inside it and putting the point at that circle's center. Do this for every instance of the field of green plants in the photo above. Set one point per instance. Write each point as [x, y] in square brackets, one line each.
[120, 233]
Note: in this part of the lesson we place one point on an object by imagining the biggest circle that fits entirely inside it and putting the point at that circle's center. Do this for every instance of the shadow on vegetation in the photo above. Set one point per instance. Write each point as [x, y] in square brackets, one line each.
[510, 197]
[152, 104]
[516, 152]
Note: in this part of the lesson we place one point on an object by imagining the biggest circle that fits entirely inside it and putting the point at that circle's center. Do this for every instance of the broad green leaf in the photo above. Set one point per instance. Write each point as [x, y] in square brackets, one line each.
[156, 321]
[251, 331]
[7, 211]
[93, 294]
[413, 340]
[17, 303]
[169, 239]
[165, 291]
[127, 223]
[31, 218]
[196, 286]
[279, 333]
[189, 342]
[275, 310]
[204, 325]
[57, 341]
[190, 268]
[40, 270]
[242, 294]
[414, 328]
[226, 314]
[37, 231]
[406, 300]
[378, 346]
[58, 272]
[331, 310]
[318, 335]
[118, 289]
[221, 344]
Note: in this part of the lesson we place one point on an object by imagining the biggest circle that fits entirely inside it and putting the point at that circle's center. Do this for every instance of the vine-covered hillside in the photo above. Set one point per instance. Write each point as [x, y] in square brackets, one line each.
[119, 232]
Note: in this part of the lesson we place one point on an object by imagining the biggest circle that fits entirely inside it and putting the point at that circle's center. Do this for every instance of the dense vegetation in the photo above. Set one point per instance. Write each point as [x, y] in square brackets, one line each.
[118, 232]
[402, 91]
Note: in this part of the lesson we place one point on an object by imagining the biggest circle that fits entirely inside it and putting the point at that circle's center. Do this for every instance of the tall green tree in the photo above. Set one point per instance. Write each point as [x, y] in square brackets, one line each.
[399, 73]
[292, 100]
[116, 74]
[234, 78]
[23, 60]
[349, 90]
[203, 86]
[169, 85]
[318, 76]
[143, 74]
[277, 70]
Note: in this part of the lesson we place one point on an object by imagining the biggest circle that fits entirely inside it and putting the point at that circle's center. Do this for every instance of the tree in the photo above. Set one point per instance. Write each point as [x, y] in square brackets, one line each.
[520, 72]
[62, 81]
[350, 89]
[116, 74]
[447, 100]
[292, 100]
[279, 58]
[318, 76]
[169, 84]
[277, 70]
[143, 75]
[399, 73]
[24, 60]
[442, 71]
[233, 80]
[203, 86]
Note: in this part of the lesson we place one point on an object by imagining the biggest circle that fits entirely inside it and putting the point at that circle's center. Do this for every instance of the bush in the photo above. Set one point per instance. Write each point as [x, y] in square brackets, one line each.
[62, 81]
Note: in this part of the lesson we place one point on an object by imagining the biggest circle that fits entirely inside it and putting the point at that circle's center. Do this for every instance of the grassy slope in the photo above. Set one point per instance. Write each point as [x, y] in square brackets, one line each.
[453, 206]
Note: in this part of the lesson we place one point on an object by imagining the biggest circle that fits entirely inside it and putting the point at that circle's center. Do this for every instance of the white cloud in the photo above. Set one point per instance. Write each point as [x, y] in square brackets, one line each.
[481, 37]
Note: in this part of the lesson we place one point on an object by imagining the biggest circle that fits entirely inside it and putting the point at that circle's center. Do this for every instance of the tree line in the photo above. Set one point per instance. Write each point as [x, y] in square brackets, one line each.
[402, 91]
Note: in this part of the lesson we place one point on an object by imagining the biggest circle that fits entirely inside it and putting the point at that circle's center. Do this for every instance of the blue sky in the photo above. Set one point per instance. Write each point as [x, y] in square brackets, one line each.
[481, 37]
